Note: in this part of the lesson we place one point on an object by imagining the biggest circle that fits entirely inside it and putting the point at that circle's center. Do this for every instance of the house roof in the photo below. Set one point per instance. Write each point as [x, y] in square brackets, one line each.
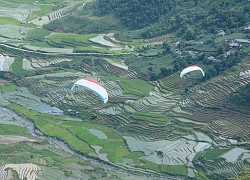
[242, 41]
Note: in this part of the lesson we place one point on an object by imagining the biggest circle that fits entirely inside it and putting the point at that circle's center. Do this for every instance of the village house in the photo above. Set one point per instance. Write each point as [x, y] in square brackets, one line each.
[247, 28]
[192, 53]
[212, 58]
[221, 33]
[242, 41]
[178, 52]
[228, 53]
[199, 43]
[234, 44]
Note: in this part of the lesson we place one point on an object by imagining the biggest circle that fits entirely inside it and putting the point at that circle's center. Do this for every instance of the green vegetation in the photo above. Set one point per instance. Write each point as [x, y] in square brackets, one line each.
[75, 134]
[214, 153]
[8, 20]
[8, 129]
[150, 117]
[242, 97]
[89, 20]
[186, 19]
[8, 87]
[222, 39]
[47, 124]
[17, 69]
[135, 155]
[37, 34]
[34, 1]
[172, 169]
[244, 175]
[45, 9]
[136, 87]
[5, 4]
[70, 40]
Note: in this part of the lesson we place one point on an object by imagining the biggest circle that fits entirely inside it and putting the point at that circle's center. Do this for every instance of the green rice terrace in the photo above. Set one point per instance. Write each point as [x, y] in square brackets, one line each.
[155, 125]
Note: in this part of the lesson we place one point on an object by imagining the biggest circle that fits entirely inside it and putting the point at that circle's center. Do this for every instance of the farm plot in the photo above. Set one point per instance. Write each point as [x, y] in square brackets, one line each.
[3, 174]
[156, 102]
[8, 139]
[6, 118]
[19, 13]
[115, 70]
[215, 91]
[205, 104]
[40, 21]
[23, 97]
[13, 31]
[222, 169]
[173, 83]
[178, 152]
[99, 39]
[38, 63]
[235, 154]
[5, 62]
[49, 50]
[25, 171]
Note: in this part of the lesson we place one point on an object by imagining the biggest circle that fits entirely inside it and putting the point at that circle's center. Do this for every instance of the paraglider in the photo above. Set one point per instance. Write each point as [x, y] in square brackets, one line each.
[94, 86]
[190, 69]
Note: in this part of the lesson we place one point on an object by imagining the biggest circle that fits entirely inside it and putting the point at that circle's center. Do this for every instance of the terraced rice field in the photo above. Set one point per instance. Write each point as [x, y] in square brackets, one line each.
[39, 63]
[19, 13]
[205, 103]
[179, 152]
[3, 174]
[25, 171]
[5, 62]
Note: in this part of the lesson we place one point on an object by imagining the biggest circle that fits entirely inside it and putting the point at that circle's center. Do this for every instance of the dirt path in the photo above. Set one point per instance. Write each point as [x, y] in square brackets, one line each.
[9, 139]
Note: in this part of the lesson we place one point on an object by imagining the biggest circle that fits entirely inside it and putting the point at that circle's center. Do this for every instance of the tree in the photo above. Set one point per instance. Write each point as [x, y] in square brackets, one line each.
[189, 35]
[166, 72]
[166, 46]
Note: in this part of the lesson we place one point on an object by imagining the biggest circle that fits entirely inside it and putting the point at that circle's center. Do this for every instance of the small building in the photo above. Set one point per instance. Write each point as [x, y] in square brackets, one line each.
[192, 53]
[221, 33]
[228, 53]
[199, 43]
[247, 28]
[178, 52]
[212, 58]
[176, 44]
[233, 44]
[242, 41]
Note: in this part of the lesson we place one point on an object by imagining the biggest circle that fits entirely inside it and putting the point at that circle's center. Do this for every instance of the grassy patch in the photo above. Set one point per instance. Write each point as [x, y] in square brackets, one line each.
[132, 86]
[114, 146]
[150, 117]
[135, 155]
[45, 9]
[214, 153]
[70, 40]
[43, 152]
[5, 4]
[171, 169]
[136, 86]
[8, 20]
[8, 87]
[17, 69]
[37, 34]
[8, 129]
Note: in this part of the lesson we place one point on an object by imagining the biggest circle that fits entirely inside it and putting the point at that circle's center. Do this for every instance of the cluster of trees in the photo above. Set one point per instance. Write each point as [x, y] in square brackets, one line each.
[186, 18]
[138, 13]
